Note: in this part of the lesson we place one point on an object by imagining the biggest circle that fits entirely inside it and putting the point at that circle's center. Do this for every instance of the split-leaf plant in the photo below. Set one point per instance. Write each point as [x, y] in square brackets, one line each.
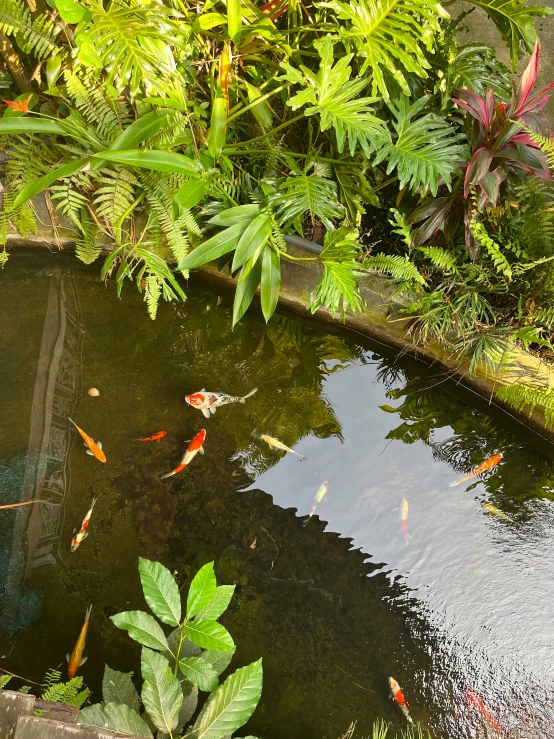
[177, 666]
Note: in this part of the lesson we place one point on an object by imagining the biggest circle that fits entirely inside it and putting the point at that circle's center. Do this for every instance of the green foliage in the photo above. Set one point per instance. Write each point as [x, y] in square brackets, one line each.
[310, 194]
[37, 37]
[71, 692]
[499, 260]
[526, 397]
[4, 680]
[399, 268]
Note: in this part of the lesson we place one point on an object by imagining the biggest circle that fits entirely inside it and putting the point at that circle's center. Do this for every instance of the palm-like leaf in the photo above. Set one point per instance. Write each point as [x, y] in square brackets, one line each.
[425, 150]
[308, 194]
[392, 35]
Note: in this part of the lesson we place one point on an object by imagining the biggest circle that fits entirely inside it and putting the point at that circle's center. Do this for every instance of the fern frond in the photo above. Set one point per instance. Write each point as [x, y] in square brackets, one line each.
[499, 260]
[545, 143]
[152, 294]
[70, 692]
[176, 125]
[115, 195]
[109, 116]
[52, 677]
[69, 201]
[398, 221]
[543, 317]
[87, 248]
[399, 268]
[37, 37]
[4, 256]
[308, 194]
[440, 258]
[525, 397]
[337, 289]
[534, 218]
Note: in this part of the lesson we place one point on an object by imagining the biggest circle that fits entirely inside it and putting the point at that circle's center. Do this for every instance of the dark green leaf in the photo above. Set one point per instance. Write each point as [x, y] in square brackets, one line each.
[160, 591]
[140, 130]
[42, 183]
[157, 161]
[246, 289]
[253, 238]
[202, 589]
[161, 693]
[271, 281]
[199, 672]
[117, 687]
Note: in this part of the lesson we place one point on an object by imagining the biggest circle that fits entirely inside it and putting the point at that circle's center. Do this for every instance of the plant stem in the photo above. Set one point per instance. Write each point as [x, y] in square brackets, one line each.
[265, 135]
[256, 102]
[297, 259]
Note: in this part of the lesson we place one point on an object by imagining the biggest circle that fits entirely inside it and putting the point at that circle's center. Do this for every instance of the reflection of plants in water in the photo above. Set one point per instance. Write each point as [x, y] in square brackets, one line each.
[381, 730]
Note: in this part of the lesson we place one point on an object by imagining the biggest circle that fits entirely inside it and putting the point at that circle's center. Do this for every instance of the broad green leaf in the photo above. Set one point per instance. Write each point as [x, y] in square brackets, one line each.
[199, 672]
[71, 11]
[261, 111]
[157, 161]
[114, 717]
[254, 237]
[88, 55]
[234, 20]
[190, 194]
[188, 649]
[161, 693]
[220, 244]
[238, 214]
[209, 635]
[160, 591]
[187, 710]
[219, 660]
[218, 604]
[26, 124]
[232, 704]
[218, 125]
[271, 281]
[246, 289]
[208, 20]
[202, 589]
[117, 687]
[142, 628]
[42, 183]
[140, 130]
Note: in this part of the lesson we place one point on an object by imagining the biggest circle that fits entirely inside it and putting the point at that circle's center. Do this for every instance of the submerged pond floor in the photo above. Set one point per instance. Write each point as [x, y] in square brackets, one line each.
[334, 606]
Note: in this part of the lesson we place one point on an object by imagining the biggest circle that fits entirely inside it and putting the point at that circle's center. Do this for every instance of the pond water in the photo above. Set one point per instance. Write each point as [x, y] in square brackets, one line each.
[334, 606]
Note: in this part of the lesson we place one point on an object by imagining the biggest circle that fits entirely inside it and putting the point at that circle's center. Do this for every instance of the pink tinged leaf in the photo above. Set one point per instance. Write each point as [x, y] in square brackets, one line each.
[477, 168]
[536, 103]
[472, 104]
[490, 185]
[528, 77]
[489, 102]
[538, 123]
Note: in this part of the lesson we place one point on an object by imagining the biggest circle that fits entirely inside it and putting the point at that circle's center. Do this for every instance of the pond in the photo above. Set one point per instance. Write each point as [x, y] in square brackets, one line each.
[335, 604]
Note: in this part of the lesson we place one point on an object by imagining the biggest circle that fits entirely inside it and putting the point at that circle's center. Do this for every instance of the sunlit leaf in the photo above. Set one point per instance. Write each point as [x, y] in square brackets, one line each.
[161, 693]
[142, 628]
[202, 590]
[160, 591]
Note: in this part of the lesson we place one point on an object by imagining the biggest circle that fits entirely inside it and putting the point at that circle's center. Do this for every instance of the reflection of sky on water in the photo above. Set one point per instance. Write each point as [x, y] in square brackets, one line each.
[489, 584]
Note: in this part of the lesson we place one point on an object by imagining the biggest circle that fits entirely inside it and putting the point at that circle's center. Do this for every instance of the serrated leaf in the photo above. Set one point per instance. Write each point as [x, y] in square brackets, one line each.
[219, 660]
[209, 635]
[218, 604]
[160, 591]
[114, 717]
[161, 693]
[142, 628]
[117, 687]
[199, 672]
[202, 589]
[232, 704]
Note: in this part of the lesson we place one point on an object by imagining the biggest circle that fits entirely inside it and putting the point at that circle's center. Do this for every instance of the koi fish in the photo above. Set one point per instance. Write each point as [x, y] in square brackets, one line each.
[404, 518]
[76, 659]
[321, 493]
[225, 61]
[94, 448]
[193, 448]
[474, 701]
[208, 402]
[279, 445]
[496, 512]
[22, 106]
[398, 696]
[155, 437]
[82, 533]
[488, 464]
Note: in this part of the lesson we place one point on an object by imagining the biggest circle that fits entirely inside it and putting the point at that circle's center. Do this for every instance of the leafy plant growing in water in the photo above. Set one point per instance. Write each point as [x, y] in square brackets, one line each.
[177, 666]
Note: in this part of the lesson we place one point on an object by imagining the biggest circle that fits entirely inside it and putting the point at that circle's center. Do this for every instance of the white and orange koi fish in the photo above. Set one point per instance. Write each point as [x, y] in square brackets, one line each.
[94, 448]
[82, 533]
[208, 402]
[195, 446]
[483, 467]
[321, 493]
[398, 696]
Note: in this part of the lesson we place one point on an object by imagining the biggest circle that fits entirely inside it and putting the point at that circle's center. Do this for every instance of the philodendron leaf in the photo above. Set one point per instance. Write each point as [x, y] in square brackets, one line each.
[117, 687]
[218, 603]
[142, 628]
[199, 672]
[161, 693]
[202, 589]
[209, 635]
[160, 591]
[114, 717]
[232, 704]
[218, 659]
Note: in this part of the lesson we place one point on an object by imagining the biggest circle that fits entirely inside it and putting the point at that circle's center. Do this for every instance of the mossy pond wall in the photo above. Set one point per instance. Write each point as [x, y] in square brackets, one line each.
[334, 606]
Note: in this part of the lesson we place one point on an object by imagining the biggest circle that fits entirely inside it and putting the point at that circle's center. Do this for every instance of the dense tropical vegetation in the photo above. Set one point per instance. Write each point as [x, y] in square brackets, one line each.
[174, 132]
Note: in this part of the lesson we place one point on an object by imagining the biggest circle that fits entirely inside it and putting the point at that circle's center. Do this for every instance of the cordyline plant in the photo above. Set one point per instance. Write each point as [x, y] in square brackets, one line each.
[501, 149]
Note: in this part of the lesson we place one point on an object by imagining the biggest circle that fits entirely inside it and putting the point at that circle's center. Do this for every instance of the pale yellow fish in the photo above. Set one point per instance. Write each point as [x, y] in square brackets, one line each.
[404, 518]
[278, 444]
[321, 493]
[496, 512]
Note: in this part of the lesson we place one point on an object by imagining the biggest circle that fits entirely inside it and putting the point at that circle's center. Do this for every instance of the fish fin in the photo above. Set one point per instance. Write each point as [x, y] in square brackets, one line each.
[68, 656]
[99, 444]
[201, 450]
[85, 535]
[213, 410]
[83, 660]
[168, 475]
[88, 612]
[89, 452]
[453, 484]
[242, 400]
[206, 412]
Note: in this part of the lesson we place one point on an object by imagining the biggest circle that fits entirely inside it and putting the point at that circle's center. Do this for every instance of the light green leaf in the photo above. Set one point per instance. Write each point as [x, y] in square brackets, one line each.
[161, 693]
[218, 604]
[88, 56]
[114, 717]
[206, 21]
[42, 183]
[219, 660]
[142, 628]
[238, 214]
[253, 238]
[234, 20]
[232, 704]
[160, 591]
[26, 124]
[117, 687]
[248, 282]
[209, 635]
[271, 281]
[218, 125]
[202, 590]
[71, 11]
[190, 194]
[199, 672]
[157, 161]
[140, 130]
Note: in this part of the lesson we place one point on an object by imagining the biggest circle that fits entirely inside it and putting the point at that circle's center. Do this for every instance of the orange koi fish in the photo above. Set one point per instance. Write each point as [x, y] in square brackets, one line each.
[94, 448]
[321, 493]
[225, 61]
[76, 659]
[82, 533]
[488, 464]
[195, 446]
[22, 106]
[474, 701]
[155, 437]
[404, 518]
[279, 445]
[398, 696]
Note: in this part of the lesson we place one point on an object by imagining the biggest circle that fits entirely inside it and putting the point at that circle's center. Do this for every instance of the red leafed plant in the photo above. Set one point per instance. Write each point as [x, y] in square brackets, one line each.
[500, 147]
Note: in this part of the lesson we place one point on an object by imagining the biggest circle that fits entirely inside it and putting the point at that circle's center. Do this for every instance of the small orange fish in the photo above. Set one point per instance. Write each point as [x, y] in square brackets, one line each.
[94, 448]
[195, 446]
[474, 701]
[82, 533]
[225, 62]
[76, 659]
[155, 437]
[22, 106]
[488, 464]
[398, 696]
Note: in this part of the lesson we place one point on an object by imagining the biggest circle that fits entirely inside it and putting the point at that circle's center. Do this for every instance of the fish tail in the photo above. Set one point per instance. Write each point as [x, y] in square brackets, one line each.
[242, 400]
[73, 422]
[453, 484]
[175, 471]
[93, 502]
[87, 614]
